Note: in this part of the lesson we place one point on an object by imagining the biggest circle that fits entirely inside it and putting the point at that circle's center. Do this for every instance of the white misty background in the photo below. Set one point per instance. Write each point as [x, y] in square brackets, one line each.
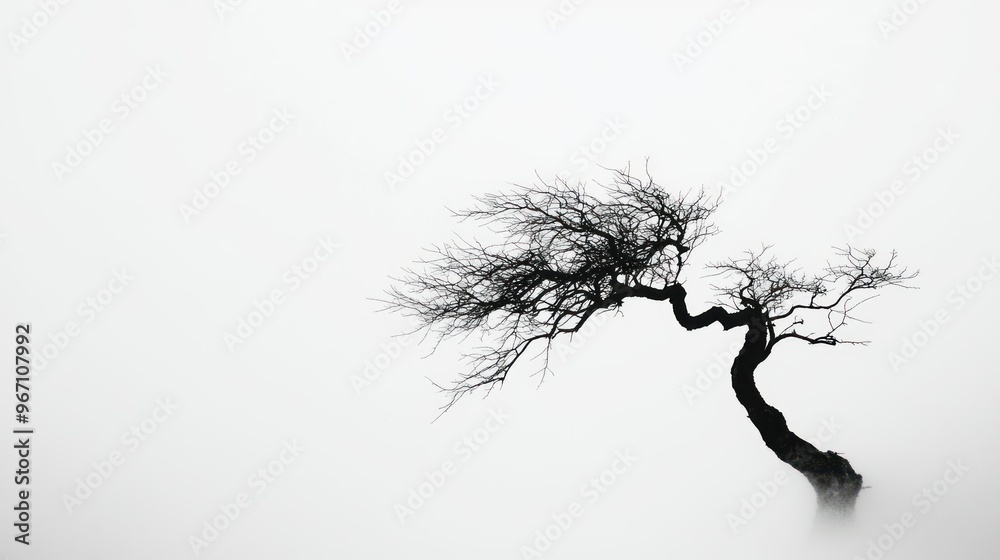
[323, 177]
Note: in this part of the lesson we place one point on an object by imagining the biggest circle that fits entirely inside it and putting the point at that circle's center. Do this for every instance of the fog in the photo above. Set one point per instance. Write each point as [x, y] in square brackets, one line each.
[202, 200]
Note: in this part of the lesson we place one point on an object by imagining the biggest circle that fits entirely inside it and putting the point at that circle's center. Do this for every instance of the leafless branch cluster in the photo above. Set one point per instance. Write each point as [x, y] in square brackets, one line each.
[788, 299]
[566, 254]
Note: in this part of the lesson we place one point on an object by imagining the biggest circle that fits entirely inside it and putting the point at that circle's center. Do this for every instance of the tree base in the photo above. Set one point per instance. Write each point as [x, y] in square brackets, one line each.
[837, 487]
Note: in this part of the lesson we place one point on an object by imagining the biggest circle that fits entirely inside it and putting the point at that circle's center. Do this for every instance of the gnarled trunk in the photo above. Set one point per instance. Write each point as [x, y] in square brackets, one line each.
[836, 483]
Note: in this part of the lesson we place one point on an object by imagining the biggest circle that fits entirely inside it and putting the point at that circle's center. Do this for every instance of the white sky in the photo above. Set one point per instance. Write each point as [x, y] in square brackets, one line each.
[65, 234]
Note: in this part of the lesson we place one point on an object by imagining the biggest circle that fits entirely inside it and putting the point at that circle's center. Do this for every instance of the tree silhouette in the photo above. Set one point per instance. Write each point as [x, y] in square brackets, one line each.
[567, 255]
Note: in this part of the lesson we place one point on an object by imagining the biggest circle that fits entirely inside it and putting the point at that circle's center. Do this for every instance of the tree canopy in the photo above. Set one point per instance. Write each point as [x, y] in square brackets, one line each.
[567, 253]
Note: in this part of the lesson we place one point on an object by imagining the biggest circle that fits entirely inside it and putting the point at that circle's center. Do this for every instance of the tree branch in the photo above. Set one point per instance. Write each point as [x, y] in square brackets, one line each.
[562, 256]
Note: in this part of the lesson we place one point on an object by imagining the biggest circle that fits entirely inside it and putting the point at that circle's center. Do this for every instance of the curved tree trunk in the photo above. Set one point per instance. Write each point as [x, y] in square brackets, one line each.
[836, 483]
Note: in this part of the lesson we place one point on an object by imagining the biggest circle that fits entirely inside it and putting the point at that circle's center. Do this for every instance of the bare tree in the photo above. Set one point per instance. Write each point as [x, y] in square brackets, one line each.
[567, 255]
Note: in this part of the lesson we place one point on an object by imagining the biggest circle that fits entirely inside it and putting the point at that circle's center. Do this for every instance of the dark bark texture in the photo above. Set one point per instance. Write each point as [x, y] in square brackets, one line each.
[835, 481]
